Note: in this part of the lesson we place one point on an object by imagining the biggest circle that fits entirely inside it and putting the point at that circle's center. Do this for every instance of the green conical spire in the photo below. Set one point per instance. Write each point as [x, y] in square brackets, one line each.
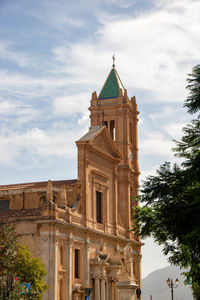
[112, 86]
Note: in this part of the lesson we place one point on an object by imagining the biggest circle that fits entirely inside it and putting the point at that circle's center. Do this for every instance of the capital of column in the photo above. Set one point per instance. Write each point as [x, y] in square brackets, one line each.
[70, 241]
[57, 240]
[87, 243]
[95, 275]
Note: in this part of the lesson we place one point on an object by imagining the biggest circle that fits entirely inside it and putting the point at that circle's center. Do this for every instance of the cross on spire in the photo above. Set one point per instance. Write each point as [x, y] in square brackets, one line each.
[113, 61]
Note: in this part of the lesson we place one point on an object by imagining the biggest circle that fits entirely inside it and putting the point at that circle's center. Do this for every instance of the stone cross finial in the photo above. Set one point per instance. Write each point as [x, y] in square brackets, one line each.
[113, 61]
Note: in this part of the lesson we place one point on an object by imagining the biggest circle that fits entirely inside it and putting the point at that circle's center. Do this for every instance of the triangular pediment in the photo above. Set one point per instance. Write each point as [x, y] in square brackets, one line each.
[104, 143]
[99, 138]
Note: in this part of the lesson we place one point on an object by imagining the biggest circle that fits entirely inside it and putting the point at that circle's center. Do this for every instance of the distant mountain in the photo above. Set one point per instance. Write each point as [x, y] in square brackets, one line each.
[155, 284]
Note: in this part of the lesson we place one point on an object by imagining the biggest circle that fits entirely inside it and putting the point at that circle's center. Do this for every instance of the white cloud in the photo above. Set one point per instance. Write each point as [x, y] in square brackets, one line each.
[16, 113]
[38, 142]
[18, 84]
[174, 130]
[164, 112]
[68, 105]
[7, 107]
[156, 143]
[21, 58]
[154, 51]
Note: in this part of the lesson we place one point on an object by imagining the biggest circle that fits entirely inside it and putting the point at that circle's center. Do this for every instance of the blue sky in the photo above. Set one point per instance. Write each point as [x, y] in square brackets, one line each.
[54, 54]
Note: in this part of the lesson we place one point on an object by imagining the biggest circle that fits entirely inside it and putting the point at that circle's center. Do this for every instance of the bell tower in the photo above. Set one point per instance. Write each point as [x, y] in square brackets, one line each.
[113, 108]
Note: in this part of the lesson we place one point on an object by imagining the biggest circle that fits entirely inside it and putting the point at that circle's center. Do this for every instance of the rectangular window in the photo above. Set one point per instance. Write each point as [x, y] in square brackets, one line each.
[4, 204]
[99, 206]
[76, 263]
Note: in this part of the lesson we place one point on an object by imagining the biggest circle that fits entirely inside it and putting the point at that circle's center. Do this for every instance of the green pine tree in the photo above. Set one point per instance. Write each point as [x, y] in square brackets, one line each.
[171, 210]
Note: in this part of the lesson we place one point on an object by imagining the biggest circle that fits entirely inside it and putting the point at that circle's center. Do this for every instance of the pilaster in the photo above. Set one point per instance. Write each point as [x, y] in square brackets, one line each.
[69, 244]
[87, 263]
[44, 255]
[49, 250]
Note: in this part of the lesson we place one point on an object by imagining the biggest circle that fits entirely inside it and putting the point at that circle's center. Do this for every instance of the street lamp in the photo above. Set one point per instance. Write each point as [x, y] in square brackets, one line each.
[172, 285]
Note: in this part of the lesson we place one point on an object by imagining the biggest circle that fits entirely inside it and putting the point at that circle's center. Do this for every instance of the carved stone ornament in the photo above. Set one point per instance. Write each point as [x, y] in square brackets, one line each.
[87, 163]
[78, 289]
[95, 275]
[99, 142]
[114, 272]
[44, 237]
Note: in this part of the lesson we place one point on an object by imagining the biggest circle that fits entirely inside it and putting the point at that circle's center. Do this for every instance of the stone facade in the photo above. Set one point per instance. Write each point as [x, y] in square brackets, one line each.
[81, 228]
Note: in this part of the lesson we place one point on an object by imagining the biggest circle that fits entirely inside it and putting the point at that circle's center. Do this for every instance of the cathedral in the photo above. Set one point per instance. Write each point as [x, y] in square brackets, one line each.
[82, 228]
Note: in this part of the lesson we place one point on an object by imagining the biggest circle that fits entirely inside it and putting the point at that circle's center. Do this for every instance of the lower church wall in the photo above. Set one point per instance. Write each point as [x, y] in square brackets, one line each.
[102, 266]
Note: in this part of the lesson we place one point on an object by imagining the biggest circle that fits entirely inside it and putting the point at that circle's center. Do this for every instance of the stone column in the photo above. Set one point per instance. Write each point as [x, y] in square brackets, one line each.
[112, 290]
[114, 271]
[139, 270]
[103, 290]
[107, 290]
[56, 267]
[96, 289]
[69, 268]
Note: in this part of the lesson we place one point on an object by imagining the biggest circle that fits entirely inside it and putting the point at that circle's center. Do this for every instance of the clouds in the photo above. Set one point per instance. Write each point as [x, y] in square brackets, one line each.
[71, 104]
[50, 81]
[156, 143]
[7, 107]
[155, 50]
[37, 142]
[7, 54]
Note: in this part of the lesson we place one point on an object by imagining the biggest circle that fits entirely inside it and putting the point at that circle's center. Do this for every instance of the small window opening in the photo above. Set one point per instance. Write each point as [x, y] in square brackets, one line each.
[106, 123]
[99, 206]
[4, 204]
[76, 263]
